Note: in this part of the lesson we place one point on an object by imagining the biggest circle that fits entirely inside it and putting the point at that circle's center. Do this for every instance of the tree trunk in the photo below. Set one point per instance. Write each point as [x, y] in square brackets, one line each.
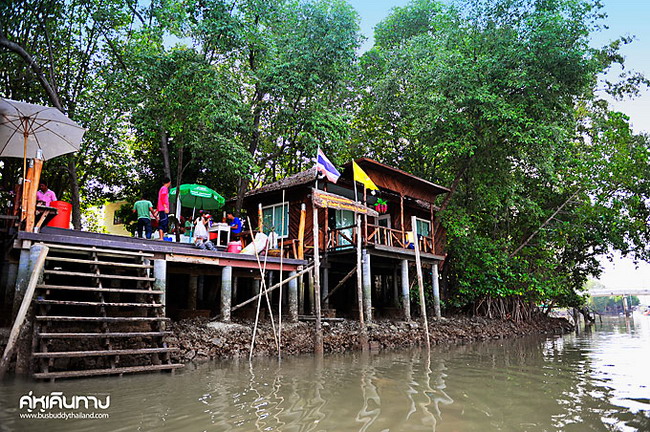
[75, 193]
[164, 150]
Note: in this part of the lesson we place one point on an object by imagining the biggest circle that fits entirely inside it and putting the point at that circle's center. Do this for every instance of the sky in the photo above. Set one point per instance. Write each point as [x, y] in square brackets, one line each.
[625, 18]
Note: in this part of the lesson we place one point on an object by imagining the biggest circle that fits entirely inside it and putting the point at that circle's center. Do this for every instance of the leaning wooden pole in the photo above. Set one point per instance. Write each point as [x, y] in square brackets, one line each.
[418, 266]
[22, 312]
[281, 279]
[318, 348]
[363, 335]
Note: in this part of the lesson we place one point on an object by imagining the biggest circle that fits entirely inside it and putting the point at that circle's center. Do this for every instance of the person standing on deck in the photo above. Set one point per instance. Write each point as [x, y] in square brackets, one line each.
[163, 207]
[144, 209]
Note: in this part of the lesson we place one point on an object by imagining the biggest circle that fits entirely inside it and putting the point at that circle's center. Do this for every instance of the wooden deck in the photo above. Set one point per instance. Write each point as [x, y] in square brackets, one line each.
[170, 251]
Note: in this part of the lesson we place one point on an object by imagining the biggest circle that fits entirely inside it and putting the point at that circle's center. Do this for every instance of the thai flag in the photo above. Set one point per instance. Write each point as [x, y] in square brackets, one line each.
[326, 167]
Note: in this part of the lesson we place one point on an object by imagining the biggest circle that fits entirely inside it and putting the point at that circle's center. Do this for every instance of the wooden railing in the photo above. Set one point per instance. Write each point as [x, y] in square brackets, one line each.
[377, 235]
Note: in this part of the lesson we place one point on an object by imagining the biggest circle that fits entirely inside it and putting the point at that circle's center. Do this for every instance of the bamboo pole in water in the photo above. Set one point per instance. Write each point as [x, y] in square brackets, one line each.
[418, 266]
[318, 348]
[363, 335]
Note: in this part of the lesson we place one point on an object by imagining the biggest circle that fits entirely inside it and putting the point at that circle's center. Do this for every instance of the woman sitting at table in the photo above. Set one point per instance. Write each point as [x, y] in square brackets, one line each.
[44, 196]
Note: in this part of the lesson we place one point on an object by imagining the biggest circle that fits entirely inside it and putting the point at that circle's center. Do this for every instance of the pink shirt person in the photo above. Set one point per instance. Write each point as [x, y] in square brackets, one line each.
[163, 199]
[45, 195]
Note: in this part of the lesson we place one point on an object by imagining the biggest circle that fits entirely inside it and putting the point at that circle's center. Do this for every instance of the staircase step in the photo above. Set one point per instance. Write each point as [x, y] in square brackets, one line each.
[70, 354]
[102, 335]
[114, 371]
[99, 251]
[100, 319]
[102, 263]
[94, 275]
[97, 289]
[84, 303]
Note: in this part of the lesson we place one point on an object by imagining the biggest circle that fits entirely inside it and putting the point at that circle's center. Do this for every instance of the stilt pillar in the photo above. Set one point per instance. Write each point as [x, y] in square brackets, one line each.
[406, 295]
[293, 298]
[367, 286]
[192, 292]
[226, 293]
[22, 280]
[436, 289]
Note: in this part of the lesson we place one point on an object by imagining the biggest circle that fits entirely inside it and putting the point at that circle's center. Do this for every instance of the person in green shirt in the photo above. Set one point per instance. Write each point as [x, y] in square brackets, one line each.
[144, 209]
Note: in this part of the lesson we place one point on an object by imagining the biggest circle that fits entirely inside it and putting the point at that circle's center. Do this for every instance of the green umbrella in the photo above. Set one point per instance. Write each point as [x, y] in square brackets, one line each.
[198, 196]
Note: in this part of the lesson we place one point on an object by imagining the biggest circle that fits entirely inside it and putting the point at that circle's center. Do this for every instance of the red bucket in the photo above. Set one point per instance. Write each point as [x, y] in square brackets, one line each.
[234, 247]
[62, 219]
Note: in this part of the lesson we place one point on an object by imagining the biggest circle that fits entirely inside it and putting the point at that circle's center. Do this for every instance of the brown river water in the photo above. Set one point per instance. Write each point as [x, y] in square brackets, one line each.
[596, 380]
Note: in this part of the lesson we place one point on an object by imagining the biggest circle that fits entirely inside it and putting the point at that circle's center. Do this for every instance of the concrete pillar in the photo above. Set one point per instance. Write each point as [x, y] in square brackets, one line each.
[235, 288]
[395, 288]
[436, 289]
[256, 286]
[192, 291]
[293, 298]
[367, 286]
[28, 258]
[325, 287]
[226, 293]
[310, 293]
[406, 296]
[301, 295]
[160, 284]
[626, 308]
[200, 291]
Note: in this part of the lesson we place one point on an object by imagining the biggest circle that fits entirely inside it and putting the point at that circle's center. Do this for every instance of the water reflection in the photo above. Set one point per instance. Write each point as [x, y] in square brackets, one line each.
[593, 381]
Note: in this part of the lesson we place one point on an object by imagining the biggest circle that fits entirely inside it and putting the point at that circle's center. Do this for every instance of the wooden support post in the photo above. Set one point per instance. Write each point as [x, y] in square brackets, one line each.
[367, 286]
[260, 218]
[326, 281]
[418, 267]
[34, 174]
[310, 293]
[401, 217]
[160, 282]
[293, 297]
[318, 348]
[301, 232]
[41, 253]
[192, 291]
[226, 293]
[406, 295]
[436, 289]
[363, 335]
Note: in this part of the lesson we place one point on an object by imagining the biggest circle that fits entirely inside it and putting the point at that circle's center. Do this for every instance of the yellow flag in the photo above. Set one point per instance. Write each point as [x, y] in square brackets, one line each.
[362, 177]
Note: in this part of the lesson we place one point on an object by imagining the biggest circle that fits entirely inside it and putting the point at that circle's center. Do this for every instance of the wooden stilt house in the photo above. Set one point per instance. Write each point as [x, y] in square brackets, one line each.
[387, 239]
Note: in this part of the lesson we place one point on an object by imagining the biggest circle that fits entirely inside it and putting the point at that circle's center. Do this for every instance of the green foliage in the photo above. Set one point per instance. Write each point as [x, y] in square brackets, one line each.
[497, 100]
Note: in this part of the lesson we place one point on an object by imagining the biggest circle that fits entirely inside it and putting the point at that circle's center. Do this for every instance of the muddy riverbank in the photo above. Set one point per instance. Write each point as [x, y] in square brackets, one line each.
[200, 340]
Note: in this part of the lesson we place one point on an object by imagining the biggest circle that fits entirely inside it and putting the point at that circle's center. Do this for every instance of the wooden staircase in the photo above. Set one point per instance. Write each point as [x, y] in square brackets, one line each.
[97, 313]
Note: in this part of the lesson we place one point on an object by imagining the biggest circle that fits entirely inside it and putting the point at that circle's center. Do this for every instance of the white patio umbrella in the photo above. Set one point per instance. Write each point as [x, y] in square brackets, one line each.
[30, 131]
[27, 128]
